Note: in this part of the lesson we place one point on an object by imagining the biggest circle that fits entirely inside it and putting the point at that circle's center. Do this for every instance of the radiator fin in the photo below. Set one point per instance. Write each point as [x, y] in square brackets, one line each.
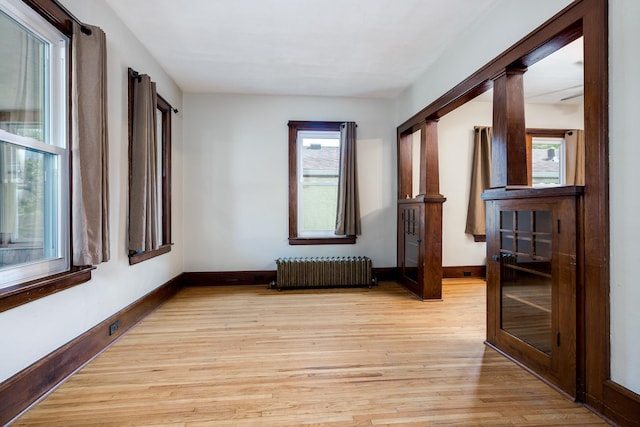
[323, 272]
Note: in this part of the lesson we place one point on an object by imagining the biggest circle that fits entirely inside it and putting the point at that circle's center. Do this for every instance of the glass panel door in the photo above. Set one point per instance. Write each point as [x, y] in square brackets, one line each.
[411, 243]
[526, 279]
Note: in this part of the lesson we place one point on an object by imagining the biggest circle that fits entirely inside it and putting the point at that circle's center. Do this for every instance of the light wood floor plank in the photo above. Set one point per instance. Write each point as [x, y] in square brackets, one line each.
[249, 356]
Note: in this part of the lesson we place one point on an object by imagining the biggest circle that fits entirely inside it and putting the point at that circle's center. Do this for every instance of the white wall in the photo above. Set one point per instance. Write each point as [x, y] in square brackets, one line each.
[624, 114]
[33, 330]
[236, 179]
[455, 152]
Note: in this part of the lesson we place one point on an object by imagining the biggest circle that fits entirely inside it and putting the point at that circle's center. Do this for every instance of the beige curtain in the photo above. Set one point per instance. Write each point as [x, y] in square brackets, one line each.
[348, 214]
[143, 186]
[480, 181]
[574, 148]
[90, 148]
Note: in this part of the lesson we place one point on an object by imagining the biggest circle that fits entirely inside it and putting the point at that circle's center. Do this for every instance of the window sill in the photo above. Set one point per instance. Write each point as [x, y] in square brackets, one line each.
[346, 240]
[16, 295]
[143, 256]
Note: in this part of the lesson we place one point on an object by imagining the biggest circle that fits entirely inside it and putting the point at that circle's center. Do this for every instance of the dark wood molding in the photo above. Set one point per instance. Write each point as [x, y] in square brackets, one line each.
[52, 12]
[143, 256]
[23, 293]
[386, 273]
[530, 193]
[339, 240]
[508, 148]
[227, 278]
[596, 201]
[255, 277]
[25, 388]
[405, 154]
[471, 271]
[558, 31]
[165, 160]
[549, 133]
[621, 405]
[166, 109]
[588, 18]
[294, 127]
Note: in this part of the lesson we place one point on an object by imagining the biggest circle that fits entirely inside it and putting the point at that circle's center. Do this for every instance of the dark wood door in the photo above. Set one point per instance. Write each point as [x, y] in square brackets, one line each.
[532, 286]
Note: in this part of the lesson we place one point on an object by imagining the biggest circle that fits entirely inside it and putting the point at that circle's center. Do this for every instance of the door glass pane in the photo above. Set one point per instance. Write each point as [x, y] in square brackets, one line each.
[526, 281]
[411, 243]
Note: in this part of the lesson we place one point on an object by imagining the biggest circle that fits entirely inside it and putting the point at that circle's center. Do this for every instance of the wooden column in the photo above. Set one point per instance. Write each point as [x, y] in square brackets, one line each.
[508, 148]
[433, 200]
[422, 214]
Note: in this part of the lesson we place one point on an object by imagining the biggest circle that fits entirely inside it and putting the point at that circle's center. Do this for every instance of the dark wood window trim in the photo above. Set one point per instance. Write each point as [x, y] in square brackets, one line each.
[338, 240]
[294, 127]
[23, 293]
[165, 109]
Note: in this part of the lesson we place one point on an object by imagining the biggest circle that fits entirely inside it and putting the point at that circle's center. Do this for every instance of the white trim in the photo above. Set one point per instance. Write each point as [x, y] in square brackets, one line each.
[55, 148]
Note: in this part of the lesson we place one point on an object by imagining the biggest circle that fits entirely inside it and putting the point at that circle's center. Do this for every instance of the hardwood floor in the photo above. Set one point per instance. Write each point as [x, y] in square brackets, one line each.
[249, 356]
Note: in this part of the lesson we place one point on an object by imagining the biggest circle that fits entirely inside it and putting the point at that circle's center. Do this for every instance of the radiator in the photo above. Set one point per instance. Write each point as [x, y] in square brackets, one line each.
[325, 272]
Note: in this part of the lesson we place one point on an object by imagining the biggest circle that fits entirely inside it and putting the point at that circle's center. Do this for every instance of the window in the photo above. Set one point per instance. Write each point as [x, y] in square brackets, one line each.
[314, 159]
[547, 161]
[160, 217]
[318, 161]
[34, 147]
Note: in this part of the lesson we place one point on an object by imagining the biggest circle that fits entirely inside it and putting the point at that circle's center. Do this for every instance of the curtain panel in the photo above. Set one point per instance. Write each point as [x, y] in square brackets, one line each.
[480, 181]
[348, 212]
[90, 148]
[574, 146]
[143, 184]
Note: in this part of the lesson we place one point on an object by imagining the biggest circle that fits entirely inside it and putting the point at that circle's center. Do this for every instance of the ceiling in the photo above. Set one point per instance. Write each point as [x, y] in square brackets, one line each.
[360, 48]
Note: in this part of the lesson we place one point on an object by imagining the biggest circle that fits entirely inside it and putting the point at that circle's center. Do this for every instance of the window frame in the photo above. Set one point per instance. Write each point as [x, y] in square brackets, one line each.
[165, 200]
[543, 133]
[294, 238]
[31, 290]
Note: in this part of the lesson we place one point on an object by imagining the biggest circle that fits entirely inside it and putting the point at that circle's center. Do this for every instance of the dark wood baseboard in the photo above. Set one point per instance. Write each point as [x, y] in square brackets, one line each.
[31, 384]
[621, 405]
[386, 273]
[473, 271]
[256, 277]
[226, 278]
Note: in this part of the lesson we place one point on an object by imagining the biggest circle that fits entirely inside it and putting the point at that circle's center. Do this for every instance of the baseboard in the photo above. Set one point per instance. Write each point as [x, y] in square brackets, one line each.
[256, 277]
[621, 405]
[386, 273]
[226, 278]
[263, 277]
[473, 271]
[31, 384]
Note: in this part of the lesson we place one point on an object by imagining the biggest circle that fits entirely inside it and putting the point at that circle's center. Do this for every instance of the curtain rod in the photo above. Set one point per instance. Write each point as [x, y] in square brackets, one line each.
[136, 75]
[83, 27]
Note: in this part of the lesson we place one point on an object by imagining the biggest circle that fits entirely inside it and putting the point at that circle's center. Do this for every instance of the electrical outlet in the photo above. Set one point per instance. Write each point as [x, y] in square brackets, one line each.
[113, 328]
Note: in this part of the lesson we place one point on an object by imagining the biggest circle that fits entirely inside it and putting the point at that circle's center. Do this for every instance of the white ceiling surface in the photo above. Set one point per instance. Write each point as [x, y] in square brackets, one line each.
[360, 48]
